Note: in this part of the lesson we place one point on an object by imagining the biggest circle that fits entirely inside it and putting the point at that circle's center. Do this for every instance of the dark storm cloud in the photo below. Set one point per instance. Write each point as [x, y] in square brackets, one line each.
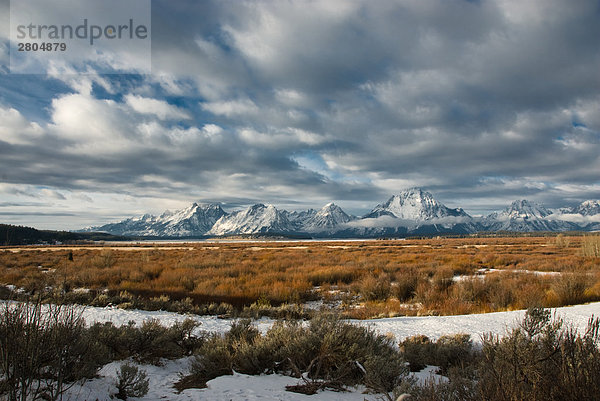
[320, 100]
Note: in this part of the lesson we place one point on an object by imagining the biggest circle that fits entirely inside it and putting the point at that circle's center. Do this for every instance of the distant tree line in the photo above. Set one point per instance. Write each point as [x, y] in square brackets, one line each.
[20, 235]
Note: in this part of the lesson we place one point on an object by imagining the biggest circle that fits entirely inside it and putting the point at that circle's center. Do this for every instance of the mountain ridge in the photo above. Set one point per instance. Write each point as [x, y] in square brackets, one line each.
[410, 212]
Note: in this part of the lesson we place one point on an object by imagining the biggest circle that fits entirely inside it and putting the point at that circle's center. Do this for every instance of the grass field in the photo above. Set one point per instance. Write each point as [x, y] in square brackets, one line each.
[361, 279]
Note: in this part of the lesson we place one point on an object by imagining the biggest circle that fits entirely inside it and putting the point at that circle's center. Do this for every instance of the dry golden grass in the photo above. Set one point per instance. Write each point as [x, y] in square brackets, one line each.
[369, 278]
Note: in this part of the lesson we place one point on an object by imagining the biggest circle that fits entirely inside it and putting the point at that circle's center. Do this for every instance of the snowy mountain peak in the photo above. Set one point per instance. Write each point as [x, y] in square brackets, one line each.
[331, 208]
[195, 220]
[257, 218]
[414, 204]
[329, 217]
[413, 211]
[525, 216]
[588, 208]
[525, 209]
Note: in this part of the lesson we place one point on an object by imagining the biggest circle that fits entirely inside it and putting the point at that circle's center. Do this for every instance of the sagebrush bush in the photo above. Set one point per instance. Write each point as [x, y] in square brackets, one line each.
[44, 350]
[328, 352]
[453, 351]
[541, 359]
[213, 360]
[148, 343]
[131, 382]
[450, 351]
[351, 355]
[283, 311]
[460, 386]
[417, 351]
[242, 331]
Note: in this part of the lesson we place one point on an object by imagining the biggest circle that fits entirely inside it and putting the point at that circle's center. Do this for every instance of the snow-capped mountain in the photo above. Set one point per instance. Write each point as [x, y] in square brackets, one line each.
[586, 215]
[194, 220]
[256, 219]
[525, 216]
[587, 208]
[131, 226]
[416, 205]
[298, 218]
[330, 217]
[411, 212]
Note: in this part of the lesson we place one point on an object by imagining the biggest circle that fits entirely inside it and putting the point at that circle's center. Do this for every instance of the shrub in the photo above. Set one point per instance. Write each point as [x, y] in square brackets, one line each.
[417, 351]
[453, 351]
[214, 359]
[443, 278]
[155, 341]
[182, 335]
[148, 343]
[406, 285]
[538, 360]
[327, 353]
[459, 386]
[115, 340]
[570, 288]
[500, 291]
[541, 360]
[470, 291]
[375, 289]
[242, 331]
[44, 351]
[272, 352]
[590, 246]
[561, 241]
[447, 352]
[349, 355]
[131, 382]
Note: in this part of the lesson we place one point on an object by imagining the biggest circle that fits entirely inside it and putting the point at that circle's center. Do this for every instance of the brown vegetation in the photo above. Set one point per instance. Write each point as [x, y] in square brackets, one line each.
[541, 359]
[362, 279]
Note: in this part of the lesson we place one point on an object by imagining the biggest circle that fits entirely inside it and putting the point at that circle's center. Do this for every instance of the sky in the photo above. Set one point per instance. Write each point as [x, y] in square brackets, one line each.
[299, 103]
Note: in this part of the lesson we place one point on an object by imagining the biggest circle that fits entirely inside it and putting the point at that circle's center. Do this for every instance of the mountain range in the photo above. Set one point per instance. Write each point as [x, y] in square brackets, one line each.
[411, 212]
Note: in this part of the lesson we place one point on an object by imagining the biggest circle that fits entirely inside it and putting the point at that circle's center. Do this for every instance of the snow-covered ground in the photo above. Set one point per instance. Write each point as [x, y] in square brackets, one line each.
[120, 317]
[237, 387]
[272, 387]
[399, 327]
[476, 324]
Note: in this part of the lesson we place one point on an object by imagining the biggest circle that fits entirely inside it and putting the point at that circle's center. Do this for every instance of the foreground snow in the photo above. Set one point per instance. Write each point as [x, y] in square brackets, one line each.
[399, 327]
[272, 387]
[477, 324]
[237, 387]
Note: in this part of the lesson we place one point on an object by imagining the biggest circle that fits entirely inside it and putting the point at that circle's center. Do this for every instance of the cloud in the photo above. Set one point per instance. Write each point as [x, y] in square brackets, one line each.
[52, 194]
[389, 221]
[574, 218]
[15, 129]
[283, 139]
[298, 103]
[159, 108]
[232, 108]
[381, 222]
[91, 125]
